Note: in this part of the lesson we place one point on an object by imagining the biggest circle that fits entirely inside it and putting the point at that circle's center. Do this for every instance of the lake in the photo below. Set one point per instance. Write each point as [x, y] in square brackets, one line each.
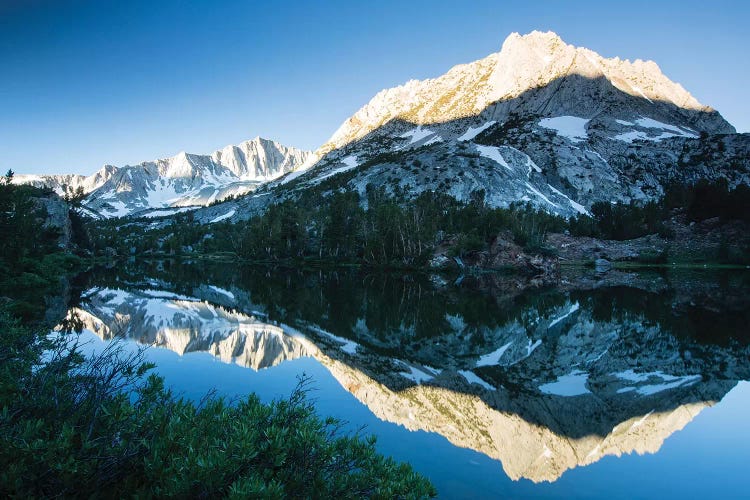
[622, 385]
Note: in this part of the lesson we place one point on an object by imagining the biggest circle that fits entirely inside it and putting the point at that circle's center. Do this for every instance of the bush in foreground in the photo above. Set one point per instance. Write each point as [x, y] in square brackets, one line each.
[99, 426]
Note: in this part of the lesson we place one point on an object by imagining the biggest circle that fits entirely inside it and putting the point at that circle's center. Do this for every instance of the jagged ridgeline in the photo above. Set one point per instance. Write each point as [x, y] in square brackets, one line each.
[182, 182]
[540, 122]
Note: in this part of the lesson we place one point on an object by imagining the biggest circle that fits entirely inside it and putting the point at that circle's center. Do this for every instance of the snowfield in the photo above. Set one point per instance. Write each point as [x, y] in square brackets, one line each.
[571, 127]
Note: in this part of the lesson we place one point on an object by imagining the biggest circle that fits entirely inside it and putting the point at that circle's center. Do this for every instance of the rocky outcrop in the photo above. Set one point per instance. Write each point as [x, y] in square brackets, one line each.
[502, 254]
[708, 241]
[585, 249]
[57, 217]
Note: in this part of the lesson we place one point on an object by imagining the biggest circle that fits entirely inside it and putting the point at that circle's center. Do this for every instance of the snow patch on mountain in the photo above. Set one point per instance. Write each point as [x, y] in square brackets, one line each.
[472, 132]
[572, 309]
[415, 374]
[572, 384]
[667, 130]
[417, 134]
[572, 127]
[224, 217]
[350, 162]
[649, 383]
[473, 378]
[222, 291]
[535, 191]
[576, 206]
[493, 358]
[165, 212]
[493, 153]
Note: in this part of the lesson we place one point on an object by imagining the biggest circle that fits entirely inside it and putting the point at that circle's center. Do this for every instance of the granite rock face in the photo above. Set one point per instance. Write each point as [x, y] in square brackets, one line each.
[57, 217]
[543, 122]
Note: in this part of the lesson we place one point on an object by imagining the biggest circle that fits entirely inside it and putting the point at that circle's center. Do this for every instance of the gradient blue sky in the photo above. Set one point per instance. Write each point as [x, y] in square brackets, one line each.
[83, 83]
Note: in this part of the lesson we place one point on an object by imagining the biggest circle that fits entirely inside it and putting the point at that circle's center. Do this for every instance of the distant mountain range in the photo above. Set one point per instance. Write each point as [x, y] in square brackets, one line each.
[184, 181]
[541, 121]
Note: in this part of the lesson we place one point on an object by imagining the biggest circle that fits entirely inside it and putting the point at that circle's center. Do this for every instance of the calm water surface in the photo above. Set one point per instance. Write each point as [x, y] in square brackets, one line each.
[617, 386]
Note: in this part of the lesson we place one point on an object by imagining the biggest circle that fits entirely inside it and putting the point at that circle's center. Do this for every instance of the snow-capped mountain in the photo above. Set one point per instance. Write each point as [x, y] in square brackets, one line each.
[168, 185]
[186, 180]
[541, 121]
[59, 183]
[526, 64]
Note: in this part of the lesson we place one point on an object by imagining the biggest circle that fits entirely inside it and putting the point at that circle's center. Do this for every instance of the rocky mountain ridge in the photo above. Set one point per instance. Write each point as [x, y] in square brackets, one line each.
[543, 122]
[168, 185]
[540, 122]
[72, 182]
[525, 63]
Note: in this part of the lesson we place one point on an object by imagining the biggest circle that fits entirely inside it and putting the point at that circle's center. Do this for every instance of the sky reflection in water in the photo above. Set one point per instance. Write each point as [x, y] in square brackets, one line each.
[552, 385]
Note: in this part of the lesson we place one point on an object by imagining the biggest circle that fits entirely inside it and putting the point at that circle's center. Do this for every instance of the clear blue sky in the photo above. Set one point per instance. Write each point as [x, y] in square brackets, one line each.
[83, 83]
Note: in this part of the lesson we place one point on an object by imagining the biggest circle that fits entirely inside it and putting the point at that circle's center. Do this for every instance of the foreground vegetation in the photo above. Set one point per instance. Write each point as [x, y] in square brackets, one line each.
[71, 425]
[32, 259]
[101, 425]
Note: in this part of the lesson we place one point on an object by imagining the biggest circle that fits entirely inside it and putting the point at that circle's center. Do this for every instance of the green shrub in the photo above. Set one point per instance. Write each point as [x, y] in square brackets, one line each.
[99, 426]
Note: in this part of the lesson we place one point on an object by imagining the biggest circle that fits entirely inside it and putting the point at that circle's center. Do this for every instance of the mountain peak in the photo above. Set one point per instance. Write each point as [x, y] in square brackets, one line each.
[533, 38]
[536, 59]
[257, 140]
[541, 121]
[524, 65]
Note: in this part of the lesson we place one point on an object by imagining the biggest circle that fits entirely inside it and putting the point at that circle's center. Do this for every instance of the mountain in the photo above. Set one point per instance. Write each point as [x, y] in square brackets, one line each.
[540, 122]
[524, 67]
[185, 324]
[543, 122]
[70, 181]
[185, 180]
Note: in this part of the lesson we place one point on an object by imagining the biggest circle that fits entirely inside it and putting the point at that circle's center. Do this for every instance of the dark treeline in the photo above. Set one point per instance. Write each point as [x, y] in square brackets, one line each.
[31, 258]
[698, 202]
[387, 232]
[380, 229]
[25, 239]
[377, 230]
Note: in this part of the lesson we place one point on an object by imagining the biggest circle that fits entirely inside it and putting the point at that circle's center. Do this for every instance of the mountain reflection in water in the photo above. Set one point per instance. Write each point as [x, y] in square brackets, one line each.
[541, 380]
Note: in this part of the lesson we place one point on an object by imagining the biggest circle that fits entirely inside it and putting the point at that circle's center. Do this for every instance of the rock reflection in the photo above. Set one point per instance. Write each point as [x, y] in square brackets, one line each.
[184, 324]
[554, 385]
